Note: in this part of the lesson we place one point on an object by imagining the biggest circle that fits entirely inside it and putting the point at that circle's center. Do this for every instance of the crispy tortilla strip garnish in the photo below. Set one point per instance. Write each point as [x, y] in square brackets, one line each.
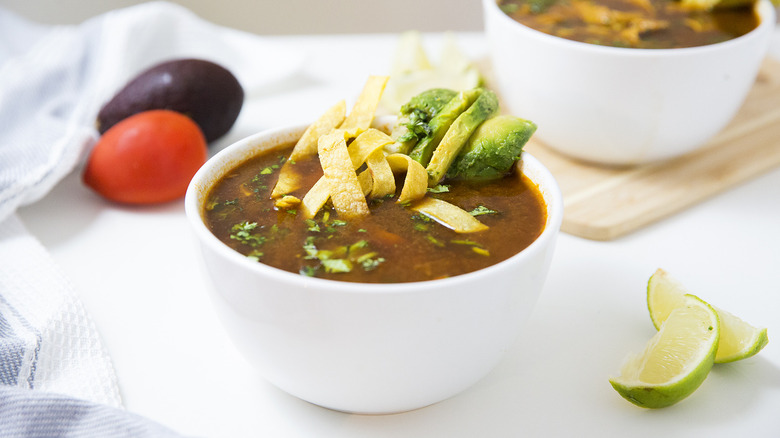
[368, 148]
[289, 180]
[359, 119]
[315, 198]
[306, 146]
[381, 173]
[332, 118]
[342, 181]
[366, 181]
[416, 182]
[365, 144]
[286, 202]
[449, 215]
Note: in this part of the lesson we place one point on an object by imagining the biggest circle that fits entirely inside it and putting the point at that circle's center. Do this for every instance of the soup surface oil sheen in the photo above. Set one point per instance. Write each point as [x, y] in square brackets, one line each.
[645, 24]
[393, 244]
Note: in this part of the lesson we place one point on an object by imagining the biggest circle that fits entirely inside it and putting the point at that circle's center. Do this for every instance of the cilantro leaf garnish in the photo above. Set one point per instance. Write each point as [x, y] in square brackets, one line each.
[480, 210]
[337, 265]
[417, 126]
[312, 225]
[441, 188]
[433, 240]
[308, 271]
[243, 233]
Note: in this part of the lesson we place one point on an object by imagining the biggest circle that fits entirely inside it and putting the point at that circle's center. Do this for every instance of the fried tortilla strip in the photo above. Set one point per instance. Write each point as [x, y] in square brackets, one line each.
[416, 181]
[289, 180]
[366, 181]
[359, 119]
[368, 148]
[287, 201]
[315, 198]
[365, 144]
[340, 176]
[332, 118]
[449, 215]
[381, 174]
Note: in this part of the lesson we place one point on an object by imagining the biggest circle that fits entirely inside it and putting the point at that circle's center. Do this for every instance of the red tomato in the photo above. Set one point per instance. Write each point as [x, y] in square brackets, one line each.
[147, 158]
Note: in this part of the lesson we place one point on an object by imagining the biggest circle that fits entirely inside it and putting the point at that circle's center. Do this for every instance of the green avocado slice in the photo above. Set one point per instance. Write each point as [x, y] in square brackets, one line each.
[492, 149]
[484, 107]
[440, 123]
[415, 116]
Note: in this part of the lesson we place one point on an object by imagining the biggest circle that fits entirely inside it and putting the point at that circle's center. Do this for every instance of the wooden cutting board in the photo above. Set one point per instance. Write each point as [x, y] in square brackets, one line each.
[603, 203]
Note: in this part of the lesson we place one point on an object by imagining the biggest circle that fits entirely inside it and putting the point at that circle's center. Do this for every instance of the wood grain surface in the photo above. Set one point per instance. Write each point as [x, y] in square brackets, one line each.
[604, 203]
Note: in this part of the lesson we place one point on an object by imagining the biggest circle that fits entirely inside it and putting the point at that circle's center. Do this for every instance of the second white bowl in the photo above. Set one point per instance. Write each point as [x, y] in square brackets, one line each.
[620, 105]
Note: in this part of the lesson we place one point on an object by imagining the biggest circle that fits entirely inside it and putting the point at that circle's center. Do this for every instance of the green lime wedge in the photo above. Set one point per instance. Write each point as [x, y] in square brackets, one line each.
[738, 339]
[675, 361]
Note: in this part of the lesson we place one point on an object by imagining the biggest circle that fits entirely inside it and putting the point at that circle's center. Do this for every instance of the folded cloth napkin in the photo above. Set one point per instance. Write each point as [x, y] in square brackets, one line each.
[56, 378]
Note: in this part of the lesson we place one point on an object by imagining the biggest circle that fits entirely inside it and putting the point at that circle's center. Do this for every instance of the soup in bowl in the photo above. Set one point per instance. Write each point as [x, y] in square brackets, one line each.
[353, 344]
[601, 99]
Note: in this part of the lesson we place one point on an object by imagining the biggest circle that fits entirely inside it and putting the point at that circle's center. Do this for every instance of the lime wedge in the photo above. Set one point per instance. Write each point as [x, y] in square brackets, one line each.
[675, 361]
[738, 339]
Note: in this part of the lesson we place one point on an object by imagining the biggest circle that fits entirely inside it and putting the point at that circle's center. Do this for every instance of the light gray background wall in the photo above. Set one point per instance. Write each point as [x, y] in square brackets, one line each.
[284, 17]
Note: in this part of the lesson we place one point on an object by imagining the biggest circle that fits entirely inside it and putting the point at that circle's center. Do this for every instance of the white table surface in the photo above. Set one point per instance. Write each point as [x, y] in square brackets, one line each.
[137, 272]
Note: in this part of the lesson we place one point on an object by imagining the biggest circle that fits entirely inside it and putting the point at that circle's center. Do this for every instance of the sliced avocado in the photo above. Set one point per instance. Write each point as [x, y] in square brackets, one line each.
[458, 134]
[429, 101]
[492, 149]
[415, 116]
[440, 123]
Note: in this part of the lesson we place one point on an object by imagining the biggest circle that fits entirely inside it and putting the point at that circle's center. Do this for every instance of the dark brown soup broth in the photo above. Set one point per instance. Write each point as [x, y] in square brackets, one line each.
[647, 24]
[393, 244]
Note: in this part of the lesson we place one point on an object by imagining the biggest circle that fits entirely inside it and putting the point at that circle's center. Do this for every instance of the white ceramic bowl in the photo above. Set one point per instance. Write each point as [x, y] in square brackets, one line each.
[619, 105]
[369, 348]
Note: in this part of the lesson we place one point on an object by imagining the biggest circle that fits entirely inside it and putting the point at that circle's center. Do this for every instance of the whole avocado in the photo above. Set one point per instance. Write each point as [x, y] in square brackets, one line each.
[206, 92]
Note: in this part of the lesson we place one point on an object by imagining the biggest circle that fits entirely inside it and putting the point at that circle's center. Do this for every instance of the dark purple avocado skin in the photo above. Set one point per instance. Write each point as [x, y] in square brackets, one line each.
[204, 91]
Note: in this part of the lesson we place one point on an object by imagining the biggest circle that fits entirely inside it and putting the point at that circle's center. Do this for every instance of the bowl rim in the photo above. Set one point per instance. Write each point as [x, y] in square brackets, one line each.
[204, 179]
[764, 9]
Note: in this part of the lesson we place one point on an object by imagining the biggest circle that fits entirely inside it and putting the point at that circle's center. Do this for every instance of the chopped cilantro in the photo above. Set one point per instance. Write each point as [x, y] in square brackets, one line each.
[480, 210]
[441, 188]
[243, 233]
[362, 230]
[312, 225]
[465, 242]
[308, 271]
[254, 255]
[433, 240]
[421, 217]
[337, 265]
[267, 171]
[310, 249]
[357, 245]
[420, 227]
[370, 264]
[417, 126]
[341, 258]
